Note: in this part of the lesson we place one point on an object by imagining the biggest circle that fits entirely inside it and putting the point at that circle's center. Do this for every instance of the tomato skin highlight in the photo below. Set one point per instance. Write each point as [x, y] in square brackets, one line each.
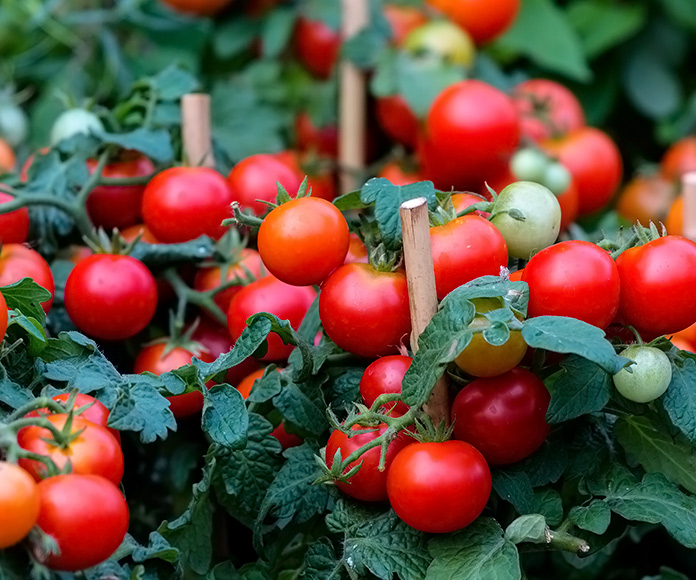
[14, 226]
[17, 261]
[439, 487]
[19, 504]
[385, 375]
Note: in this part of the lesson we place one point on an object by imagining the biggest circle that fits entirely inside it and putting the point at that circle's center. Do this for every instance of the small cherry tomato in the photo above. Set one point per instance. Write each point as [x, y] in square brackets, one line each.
[382, 376]
[19, 504]
[17, 261]
[648, 378]
[14, 226]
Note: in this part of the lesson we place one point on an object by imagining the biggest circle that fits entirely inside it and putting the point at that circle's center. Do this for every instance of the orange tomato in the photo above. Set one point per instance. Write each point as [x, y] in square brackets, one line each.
[675, 217]
[679, 159]
[7, 157]
[19, 504]
[645, 198]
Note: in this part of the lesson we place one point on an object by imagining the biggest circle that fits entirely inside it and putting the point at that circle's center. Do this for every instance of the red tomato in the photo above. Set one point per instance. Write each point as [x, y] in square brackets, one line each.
[657, 282]
[286, 439]
[645, 199]
[365, 311]
[321, 140]
[482, 19]
[462, 200]
[439, 487]
[4, 317]
[594, 162]
[323, 184]
[399, 174]
[317, 46]
[94, 451]
[457, 260]
[397, 119]
[471, 130]
[18, 261]
[302, 241]
[357, 252]
[679, 159]
[385, 375]
[146, 235]
[403, 20]
[574, 278]
[197, 7]
[270, 295]
[14, 226]
[86, 515]
[152, 359]
[182, 203]
[369, 483]
[19, 504]
[569, 201]
[118, 206]
[110, 297]
[504, 417]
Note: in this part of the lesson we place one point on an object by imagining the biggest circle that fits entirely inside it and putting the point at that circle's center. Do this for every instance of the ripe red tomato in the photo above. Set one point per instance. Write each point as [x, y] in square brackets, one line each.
[460, 201]
[439, 487]
[153, 359]
[397, 119]
[19, 504]
[309, 137]
[198, 7]
[86, 515]
[594, 162]
[369, 483]
[385, 375]
[504, 417]
[182, 203]
[118, 206]
[403, 20]
[365, 311]
[270, 295]
[645, 199]
[679, 159]
[94, 451]
[255, 177]
[574, 278]
[4, 317]
[302, 241]
[399, 174]
[482, 19]
[317, 46]
[286, 439]
[458, 261]
[569, 201]
[14, 226]
[657, 281]
[111, 297]
[357, 252]
[471, 130]
[18, 261]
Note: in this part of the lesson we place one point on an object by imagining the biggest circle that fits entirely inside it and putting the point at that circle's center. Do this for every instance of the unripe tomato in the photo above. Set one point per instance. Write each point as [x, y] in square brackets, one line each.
[442, 39]
[14, 125]
[648, 378]
[14, 226]
[75, 122]
[19, 504]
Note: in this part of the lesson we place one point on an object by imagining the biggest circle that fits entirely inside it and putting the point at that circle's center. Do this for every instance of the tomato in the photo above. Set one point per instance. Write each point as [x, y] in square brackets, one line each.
[682, 344]
[528, 164]
[460, 201]
[439, 487]
[74, 122]
[14, 226]
[569, 201]
[14, 125]
[94, 451]
[516, 276]
[574, 278]
[399, 173]
[402, 20]
[504, 417]
[255, 177]
[482, 19]
[365, 311]
[674, 223]
[86, 515]
[594, 162]
[369, 483]
[175, 195]
[679, 159]
[286, 439]
[542, 218]
[397, 120]
[471, 130]
[385, 375]
[303, 240]
[270, 295]
[111, 297]
[7, 157]
[444, 40]
[645, 199]
[657, 281]
[457, 260]
[323, 184]
[648, 378]
[18, 261]
[118, 206]
[198, 7]
[4, 317]
[357, 252]
[19, 504]
[686, 336]
[146, 235]
[322, 140]
[248, 382]
[317, 46]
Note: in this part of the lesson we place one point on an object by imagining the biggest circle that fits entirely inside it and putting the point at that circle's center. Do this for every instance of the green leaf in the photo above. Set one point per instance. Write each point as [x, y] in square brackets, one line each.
[478, 552]
[155, 143]
[350, 201]
[578, 388]
[12, 394]
[302, 403]
[516, 488]
[235, 36]
[277, 30]
[225, 417]
[547, 464]
[173, 82]
[548, 503]
[515, 295]
[667, 574]
[321, 562]
[594, 517]
[527, 528]
[344, 390]
[34, 333]
[592, 449]
[651, 84]
[682, 12]
[87, 374]
[26, 297]
[163, 255]
[158, 548]
[680, 399]
[267, 386]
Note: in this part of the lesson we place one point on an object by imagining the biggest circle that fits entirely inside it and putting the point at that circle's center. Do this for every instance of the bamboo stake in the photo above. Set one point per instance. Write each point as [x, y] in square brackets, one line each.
[689, 193]
[352, 102]
[420, 275]
[195, 129]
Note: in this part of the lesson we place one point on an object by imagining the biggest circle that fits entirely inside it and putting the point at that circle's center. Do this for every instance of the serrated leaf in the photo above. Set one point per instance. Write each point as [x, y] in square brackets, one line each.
[592, 448]
[26, 297]
[321, 562]
[594, 517]
[84, 373]
[163, 255]
[546, 465]
[154, 143]
[12, 394]
[515, 295]
[516, 488]
[344, 390]
[35, 335]
[302, 403]
[527, 528]
[225, 417]
[680, 399]
[267, 386]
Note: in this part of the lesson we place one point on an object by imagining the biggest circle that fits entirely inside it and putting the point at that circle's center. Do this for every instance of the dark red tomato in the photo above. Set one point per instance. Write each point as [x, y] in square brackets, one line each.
[471, 130]
[14, 226]
[86, 515]
[369, 483]
[365, 311]
[110, 297]
[197, 7]
[255, 177]
[183, 203]
[657, 282]
[482, 19]
[321, 140]
[594, 162]
[17, 261]
[679, 159]
[439, 487]
[574, 278]
[569, 201]
[399, 173]
[397, 120]
[4, 317]
[547, 109]
[130, 233]
[270, 295]
[357, 252]
[317, 46]
[645, 199]
[153, 359]
[118, 206]
[457, 260]
[94, 451]
[286, 439]
[504, 417]
[385, 375]
[303, 240]
[403, 20]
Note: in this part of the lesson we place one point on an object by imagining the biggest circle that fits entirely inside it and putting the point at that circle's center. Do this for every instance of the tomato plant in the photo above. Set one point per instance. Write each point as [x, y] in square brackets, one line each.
[648, 378]
[385, 376]
[17, 261]
[19, 504]
[309, 137]
[402, 20]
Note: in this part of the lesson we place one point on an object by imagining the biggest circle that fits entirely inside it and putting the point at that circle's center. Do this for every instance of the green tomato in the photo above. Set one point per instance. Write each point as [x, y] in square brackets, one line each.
[14, 125]
[650, 376]
[72, 122]
[529, 217]
[443, 39]
[529, 164]
[556, 177]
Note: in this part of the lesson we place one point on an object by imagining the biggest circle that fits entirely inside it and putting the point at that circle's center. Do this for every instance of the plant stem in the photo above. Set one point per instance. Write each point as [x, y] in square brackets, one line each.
[38, 403]
[560, 540]
[202, 299]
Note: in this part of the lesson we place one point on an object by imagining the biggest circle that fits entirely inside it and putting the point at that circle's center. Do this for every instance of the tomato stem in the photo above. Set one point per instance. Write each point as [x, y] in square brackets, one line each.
[38, 403]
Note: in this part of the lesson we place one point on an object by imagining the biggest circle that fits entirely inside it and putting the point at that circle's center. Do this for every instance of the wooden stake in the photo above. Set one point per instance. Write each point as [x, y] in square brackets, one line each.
[422, 296]
[689, 193]
[352, 102]
[195, 129]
